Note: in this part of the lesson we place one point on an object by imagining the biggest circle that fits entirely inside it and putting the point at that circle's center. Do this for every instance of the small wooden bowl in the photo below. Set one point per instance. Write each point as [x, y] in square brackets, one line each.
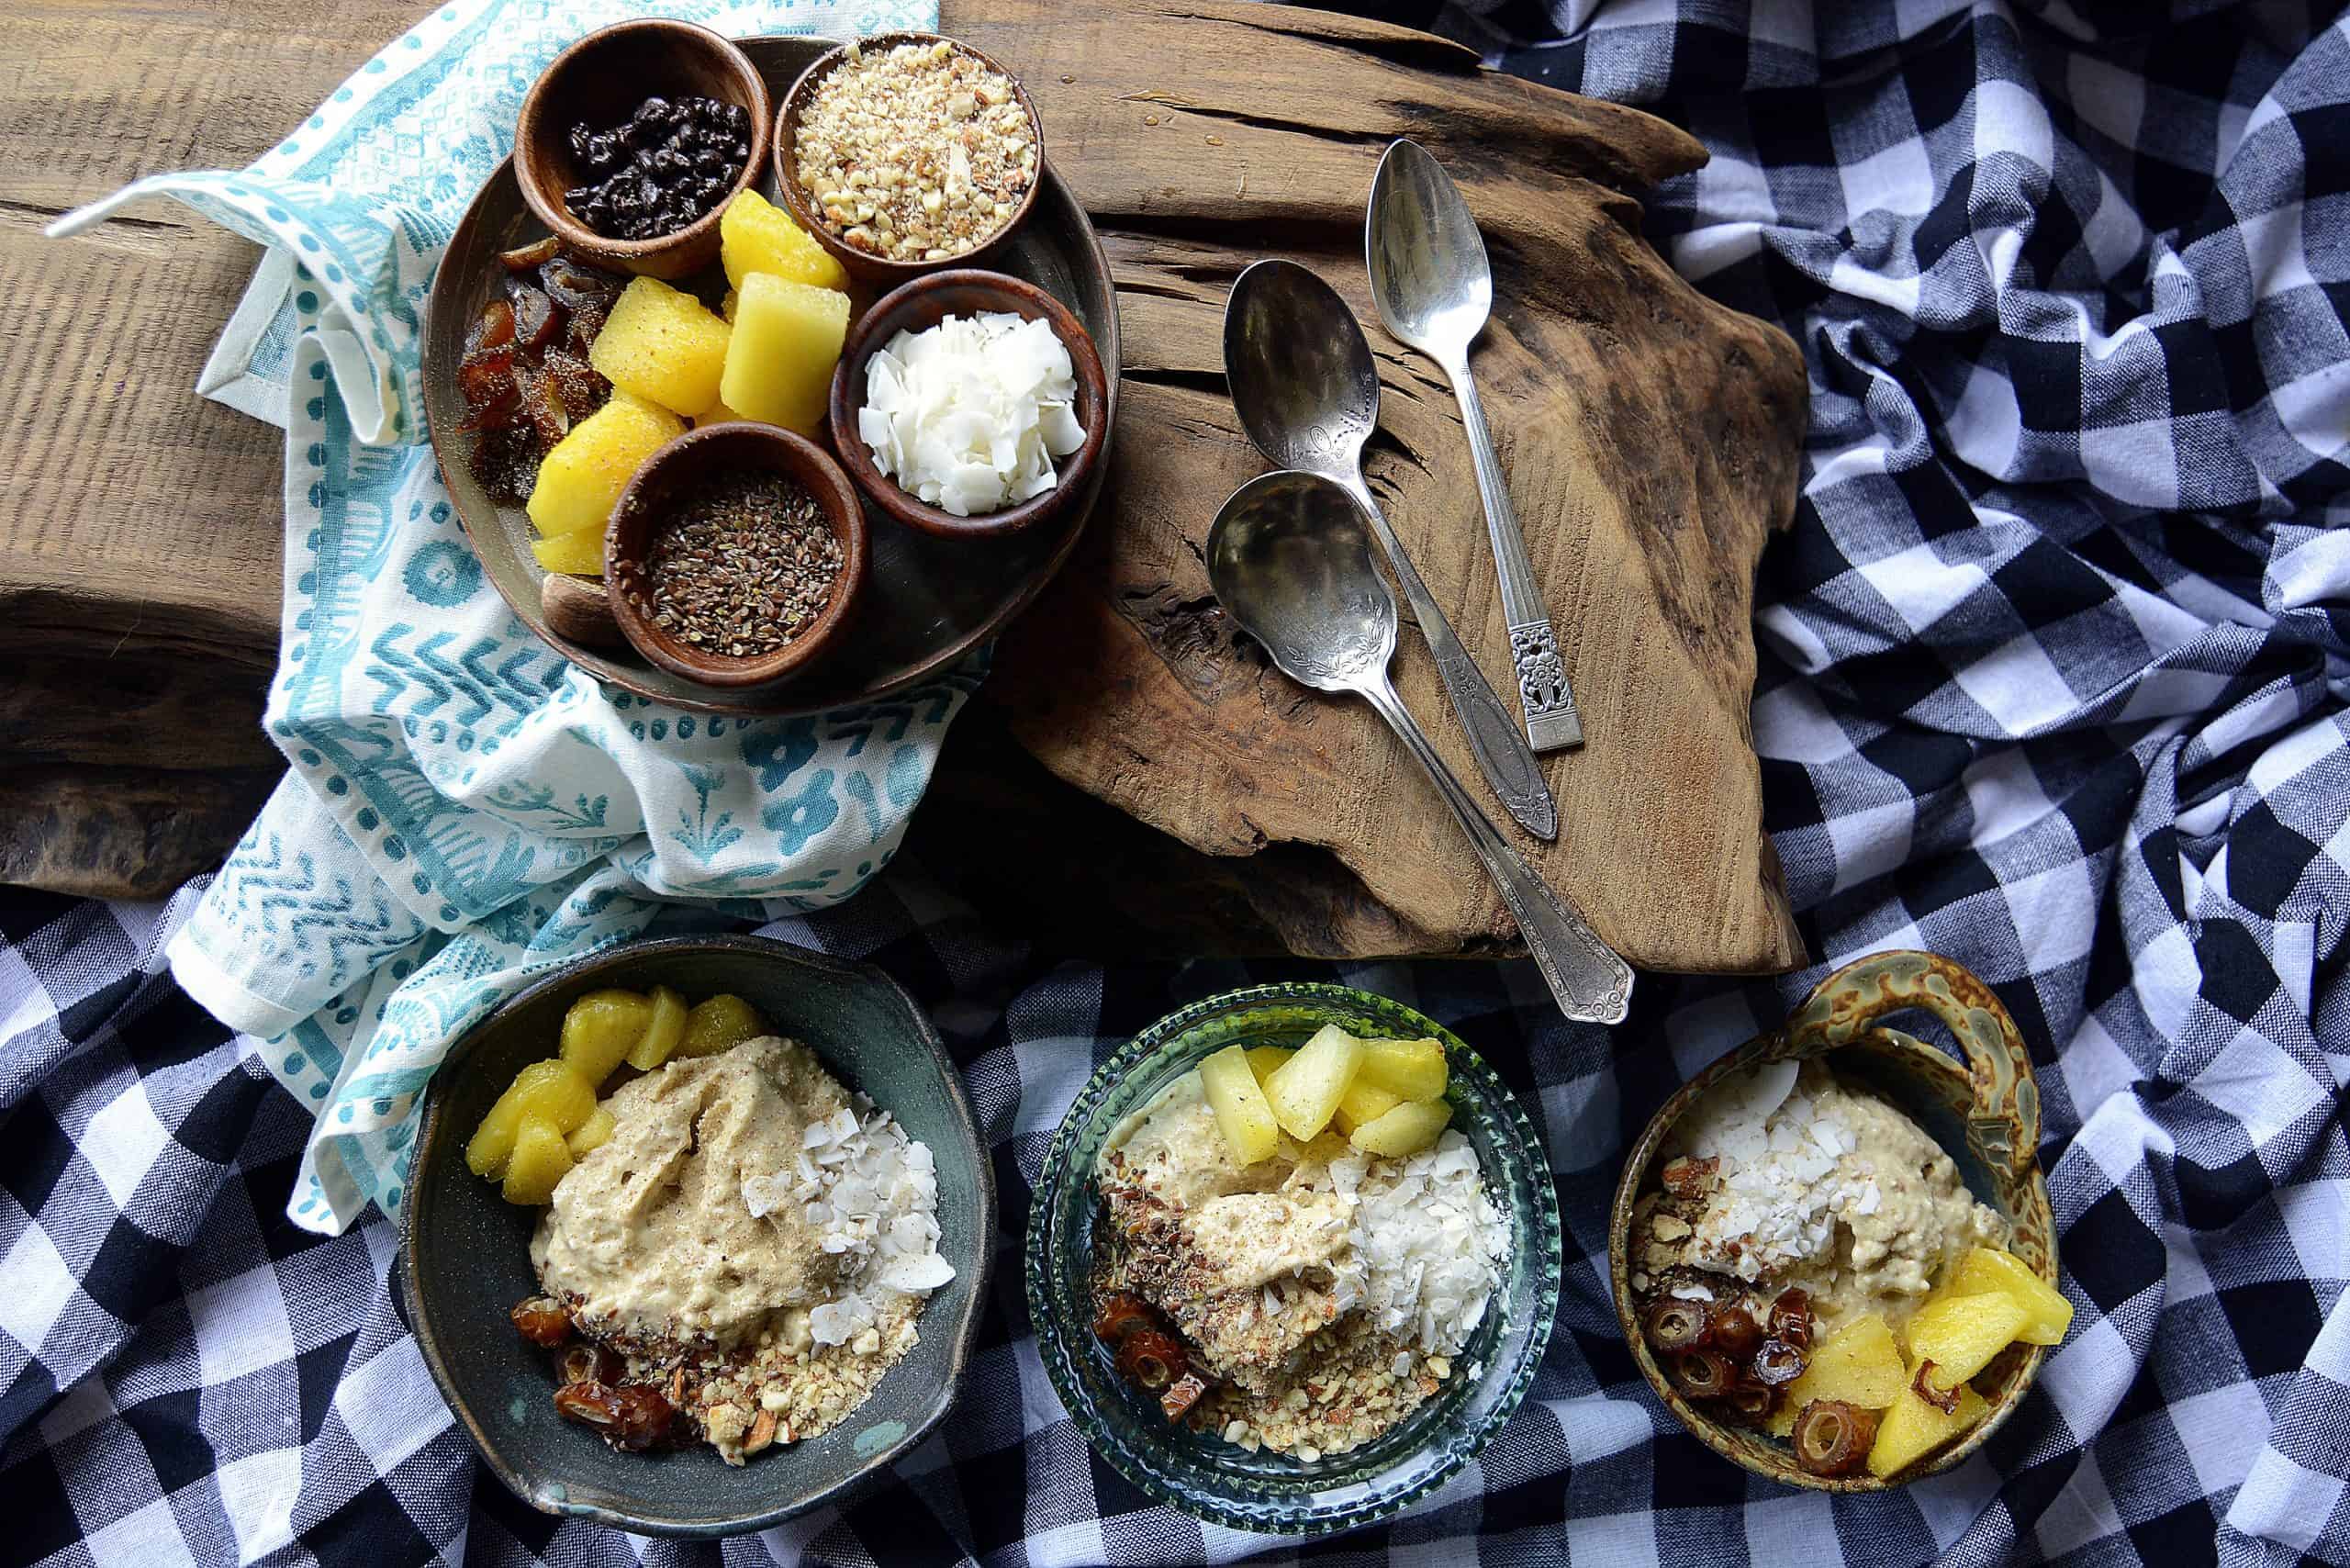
[880, 271]
[1985, 1115]
[922, 305]
[602, 79]
[646, 506]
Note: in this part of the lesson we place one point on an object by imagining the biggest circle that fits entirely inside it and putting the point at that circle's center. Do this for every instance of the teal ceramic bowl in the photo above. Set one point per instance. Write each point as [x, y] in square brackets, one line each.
[1202, 1474]
[465, 1251]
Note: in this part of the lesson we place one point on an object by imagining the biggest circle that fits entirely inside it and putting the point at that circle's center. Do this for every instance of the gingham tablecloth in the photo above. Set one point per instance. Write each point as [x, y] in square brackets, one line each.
[2054, 677]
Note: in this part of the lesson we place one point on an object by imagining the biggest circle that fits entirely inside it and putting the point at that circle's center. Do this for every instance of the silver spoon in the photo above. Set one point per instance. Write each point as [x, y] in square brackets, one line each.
[1304, 386]
[1290, 561]
[1435, 291]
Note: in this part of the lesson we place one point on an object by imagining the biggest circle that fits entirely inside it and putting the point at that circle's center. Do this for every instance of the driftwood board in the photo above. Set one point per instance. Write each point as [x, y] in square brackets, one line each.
[1650, 437]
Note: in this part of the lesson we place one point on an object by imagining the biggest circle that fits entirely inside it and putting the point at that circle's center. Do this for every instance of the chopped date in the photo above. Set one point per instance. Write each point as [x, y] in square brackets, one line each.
[541, 1320]
[632, 1417]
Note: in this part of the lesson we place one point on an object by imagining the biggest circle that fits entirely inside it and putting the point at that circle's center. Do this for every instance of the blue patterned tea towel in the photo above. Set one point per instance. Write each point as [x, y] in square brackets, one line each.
[465, 809]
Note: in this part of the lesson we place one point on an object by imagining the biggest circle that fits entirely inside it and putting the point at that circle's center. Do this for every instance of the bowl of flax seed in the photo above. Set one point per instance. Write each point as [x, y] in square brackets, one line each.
[734, 556]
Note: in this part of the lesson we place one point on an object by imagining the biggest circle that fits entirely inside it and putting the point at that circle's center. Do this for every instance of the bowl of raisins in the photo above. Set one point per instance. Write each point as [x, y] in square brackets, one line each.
[632, 143]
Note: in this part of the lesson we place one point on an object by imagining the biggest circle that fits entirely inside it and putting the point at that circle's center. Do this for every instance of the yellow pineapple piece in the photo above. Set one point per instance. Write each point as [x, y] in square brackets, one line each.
[1242, 1114]
[756, 236]
[551, 1091]
[601, 1027]
[1960, 1334]
[1306, 1089]
[1408, 1128]
[541, 1160]
[578, 553]
[726, 306]
[1363, 1103]
[663, 1032]
[664, 346]
[590, 1133]
[1912, 1428]
[1262, 1059]
[786, 339]
[1988, 1269]
[586, 470]
[719, 414]
[1859, 1365]
[719, 1025]
[1409, 1069]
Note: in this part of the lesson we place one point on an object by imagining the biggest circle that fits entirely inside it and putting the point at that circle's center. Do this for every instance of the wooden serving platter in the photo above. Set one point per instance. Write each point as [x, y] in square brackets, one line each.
[927, 600]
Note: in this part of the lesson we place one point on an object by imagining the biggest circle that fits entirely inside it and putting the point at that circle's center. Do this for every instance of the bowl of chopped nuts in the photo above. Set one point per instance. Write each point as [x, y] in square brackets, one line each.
[734, 556]
[1292, 1258]
[1831, 1251]
[905, 152]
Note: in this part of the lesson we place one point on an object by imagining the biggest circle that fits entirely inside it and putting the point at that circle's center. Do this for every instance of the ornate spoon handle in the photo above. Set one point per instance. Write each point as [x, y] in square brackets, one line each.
[1589, 980]
[1551, 722]
[1503, 755]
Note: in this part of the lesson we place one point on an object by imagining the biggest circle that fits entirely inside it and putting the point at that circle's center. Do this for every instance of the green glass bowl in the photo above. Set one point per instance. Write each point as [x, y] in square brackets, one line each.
[1200, 1474]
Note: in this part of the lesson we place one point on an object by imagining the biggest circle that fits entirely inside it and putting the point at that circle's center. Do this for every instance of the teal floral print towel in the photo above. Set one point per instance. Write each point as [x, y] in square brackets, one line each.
[463, 809]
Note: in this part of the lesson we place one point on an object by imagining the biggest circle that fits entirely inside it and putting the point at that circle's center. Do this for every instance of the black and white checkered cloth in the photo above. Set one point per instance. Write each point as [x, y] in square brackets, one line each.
[2054, 677]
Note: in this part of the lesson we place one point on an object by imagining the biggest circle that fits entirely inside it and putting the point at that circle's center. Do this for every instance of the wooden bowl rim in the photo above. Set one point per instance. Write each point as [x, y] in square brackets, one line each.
[632, 525]
[1717, 1435]
[1024, 299]
[545, 202]
[783, 145]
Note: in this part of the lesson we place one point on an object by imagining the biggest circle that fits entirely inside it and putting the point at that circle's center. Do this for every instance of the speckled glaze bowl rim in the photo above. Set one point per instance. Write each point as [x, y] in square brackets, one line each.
[1771, 1046]
[1060, 1343]
[966, 1331]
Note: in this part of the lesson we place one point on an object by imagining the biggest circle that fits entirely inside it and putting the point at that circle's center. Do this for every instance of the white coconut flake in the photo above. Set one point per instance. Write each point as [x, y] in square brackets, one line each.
[1426, 1243]
[871, 1195]
[969, 415]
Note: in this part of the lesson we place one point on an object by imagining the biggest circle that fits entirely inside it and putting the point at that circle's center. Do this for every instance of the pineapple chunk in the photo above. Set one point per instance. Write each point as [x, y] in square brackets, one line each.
[1262, 1059]
[719, 1025]
[719, 414]
[664, 346]
[1306, 1090]
[1409, 1069]
[601, 1027]
[1407, 1129]
[1960, 1334]
[1859, 1365]
[578, 553]
[1364, 1102]
[726, 306]
[590, 1134]
[586, 470]
[552, 1090]
[1912, 1428]
[541, 1160]
[663, 1031]
[756, 236]
[786, 339]
[1242, 1112]
[1988, 1269]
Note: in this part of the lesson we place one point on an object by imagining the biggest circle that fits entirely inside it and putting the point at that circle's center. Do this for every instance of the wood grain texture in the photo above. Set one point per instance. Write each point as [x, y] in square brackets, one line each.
[1650, 435]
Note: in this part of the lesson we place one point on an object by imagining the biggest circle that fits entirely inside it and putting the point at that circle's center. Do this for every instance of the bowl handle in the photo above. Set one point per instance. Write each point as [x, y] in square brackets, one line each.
[2005, 1123]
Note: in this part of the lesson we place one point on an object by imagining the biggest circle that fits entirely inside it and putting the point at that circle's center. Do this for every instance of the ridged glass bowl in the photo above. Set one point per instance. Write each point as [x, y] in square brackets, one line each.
[1200, 1474]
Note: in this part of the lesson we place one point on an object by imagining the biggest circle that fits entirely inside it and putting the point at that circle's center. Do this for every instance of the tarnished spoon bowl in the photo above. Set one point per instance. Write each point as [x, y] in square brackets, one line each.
[1291, 562]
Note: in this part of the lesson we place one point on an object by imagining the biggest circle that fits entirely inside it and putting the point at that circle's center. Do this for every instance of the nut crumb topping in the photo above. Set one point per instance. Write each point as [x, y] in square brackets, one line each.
[921, 151]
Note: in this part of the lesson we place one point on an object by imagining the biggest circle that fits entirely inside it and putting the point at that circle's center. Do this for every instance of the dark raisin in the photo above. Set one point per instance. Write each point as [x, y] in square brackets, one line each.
[652, 111]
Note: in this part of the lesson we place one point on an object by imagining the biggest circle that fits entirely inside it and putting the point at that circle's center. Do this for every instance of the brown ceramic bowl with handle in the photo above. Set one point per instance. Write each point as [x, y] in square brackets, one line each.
[1985, 1115]
[922, 305]
[602, 79]
[882, 272]
[666, 480]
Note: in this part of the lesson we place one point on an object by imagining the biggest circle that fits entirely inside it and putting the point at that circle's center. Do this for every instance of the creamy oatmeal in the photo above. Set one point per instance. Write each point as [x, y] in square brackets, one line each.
[1786, 1177]
[751, 1241]
[1319, 1296]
